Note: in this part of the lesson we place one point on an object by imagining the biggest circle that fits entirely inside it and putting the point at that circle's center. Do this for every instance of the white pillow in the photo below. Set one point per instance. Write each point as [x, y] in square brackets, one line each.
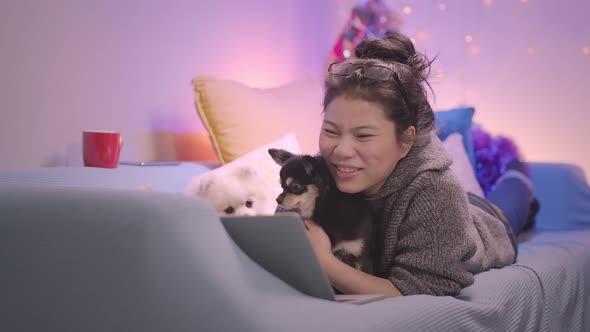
[261, 161]
[461, 165]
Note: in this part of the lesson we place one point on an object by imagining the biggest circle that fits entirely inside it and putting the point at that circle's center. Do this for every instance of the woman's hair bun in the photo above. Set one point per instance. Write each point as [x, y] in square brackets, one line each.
[394, 48]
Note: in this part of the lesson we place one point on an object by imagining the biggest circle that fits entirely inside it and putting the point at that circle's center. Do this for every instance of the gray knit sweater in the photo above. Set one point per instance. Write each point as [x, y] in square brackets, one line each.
[429, 239]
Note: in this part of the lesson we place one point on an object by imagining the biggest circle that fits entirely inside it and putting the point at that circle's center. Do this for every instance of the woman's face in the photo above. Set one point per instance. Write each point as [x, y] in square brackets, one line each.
[359, 143]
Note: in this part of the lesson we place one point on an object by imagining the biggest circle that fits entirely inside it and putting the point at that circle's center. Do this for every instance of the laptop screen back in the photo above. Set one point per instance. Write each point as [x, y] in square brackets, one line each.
[279, 244]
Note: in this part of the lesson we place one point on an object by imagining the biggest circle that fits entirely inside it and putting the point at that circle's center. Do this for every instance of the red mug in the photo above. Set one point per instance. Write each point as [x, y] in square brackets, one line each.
[101, 148]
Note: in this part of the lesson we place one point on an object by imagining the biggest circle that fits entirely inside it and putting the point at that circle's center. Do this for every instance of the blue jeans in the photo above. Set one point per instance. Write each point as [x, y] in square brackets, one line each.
[513, 196]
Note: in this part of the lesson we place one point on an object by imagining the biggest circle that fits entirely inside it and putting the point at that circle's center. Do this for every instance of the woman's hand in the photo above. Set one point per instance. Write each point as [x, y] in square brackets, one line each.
[319, 241]
[345, 278]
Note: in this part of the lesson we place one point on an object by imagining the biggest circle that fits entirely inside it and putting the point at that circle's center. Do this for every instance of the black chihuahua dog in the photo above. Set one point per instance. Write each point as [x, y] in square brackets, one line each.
[309, 189]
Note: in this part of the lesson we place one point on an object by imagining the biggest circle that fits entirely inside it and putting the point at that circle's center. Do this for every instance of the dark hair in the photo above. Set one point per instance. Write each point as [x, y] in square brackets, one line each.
[404, 98]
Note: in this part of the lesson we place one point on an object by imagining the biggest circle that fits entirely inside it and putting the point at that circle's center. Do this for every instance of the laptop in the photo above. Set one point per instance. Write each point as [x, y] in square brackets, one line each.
[280, 245]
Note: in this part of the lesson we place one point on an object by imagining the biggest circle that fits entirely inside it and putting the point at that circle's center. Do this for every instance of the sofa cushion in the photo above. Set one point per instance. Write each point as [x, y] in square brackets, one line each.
[457, 120]
[258, 158]
[240, 118]
[461, 165]
[564, 195]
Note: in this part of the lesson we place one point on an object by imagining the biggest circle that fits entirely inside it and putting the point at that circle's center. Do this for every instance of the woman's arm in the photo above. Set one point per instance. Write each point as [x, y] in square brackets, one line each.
[349, 280]
[342, 276]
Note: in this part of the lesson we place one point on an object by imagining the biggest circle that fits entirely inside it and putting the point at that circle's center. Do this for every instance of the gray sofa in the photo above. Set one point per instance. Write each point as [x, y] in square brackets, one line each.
[91, 258]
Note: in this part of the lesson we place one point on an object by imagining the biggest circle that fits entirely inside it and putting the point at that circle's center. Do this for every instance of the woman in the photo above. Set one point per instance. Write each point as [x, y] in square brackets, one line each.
[378, 138]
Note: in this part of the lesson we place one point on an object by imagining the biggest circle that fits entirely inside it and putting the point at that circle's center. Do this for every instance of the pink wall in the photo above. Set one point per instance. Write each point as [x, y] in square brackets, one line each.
[539, 97]
[127, 65]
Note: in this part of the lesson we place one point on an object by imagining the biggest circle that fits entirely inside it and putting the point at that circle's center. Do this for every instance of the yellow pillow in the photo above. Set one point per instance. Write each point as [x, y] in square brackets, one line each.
[241, 118]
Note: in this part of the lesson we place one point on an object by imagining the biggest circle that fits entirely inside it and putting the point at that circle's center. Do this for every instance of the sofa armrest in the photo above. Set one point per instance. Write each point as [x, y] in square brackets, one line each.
[104, 260]
[564, 195]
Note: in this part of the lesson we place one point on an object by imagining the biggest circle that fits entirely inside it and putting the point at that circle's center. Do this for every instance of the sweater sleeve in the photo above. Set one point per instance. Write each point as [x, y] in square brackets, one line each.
[433, 243]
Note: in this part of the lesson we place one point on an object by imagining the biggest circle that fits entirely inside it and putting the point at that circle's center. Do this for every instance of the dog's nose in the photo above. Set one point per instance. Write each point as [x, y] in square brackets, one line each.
[281, 198]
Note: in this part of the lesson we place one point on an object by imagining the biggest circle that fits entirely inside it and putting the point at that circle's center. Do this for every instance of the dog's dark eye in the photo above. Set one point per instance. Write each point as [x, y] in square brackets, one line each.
[296, 188]
[249, 204]
[229, 210]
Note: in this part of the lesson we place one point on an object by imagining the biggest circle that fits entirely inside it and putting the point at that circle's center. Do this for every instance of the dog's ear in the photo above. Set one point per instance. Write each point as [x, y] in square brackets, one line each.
[309, 163]
[205, 185]
[244, 172]
[280, 156]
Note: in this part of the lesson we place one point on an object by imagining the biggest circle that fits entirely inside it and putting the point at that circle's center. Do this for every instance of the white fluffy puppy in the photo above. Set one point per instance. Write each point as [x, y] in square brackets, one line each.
[238, 190]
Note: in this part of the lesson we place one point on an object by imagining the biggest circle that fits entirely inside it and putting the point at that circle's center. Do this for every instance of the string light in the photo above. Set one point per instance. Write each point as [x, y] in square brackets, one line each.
[473, 49]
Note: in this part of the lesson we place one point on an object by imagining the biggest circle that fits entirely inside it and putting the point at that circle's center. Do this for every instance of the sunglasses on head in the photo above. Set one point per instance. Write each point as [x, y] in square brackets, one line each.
[369, 71]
